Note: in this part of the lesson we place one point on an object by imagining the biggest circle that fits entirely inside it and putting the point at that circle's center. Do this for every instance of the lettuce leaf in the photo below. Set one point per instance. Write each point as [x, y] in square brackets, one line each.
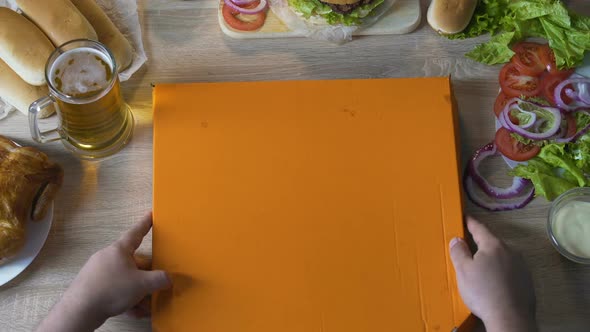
[546, 179]
[579, 22]
[582, 120]
[557, 168]
[495, 51]
[568, 34]
[486, 19]
[309, 8]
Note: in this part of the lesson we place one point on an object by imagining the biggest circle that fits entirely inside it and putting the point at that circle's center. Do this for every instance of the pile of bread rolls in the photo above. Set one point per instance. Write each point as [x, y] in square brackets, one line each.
[27, 40]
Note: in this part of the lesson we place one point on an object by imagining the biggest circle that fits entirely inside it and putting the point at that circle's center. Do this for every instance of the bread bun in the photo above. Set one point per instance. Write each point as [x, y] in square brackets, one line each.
[23, 46]
[341, 2]
[19, 93]
[450, 16]
[60, 20]
[107, 32]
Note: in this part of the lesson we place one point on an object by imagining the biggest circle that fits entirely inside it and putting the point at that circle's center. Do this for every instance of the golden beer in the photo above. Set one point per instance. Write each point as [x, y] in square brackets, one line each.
[94, 120]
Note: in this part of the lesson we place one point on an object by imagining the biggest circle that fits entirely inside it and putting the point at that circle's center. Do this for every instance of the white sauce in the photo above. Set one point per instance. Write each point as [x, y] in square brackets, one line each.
[571, 228]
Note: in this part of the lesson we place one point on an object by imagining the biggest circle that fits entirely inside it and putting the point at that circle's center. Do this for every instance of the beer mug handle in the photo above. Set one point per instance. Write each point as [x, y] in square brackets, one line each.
[34, 110]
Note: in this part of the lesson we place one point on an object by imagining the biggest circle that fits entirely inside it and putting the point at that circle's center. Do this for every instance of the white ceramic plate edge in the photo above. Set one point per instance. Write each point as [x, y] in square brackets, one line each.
[36, 235]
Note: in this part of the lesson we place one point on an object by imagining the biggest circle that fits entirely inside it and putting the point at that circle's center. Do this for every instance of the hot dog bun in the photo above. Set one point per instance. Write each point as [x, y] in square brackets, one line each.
[450, 16]
[107, 32]
[60, 20]
[23, 46]
[19, 93]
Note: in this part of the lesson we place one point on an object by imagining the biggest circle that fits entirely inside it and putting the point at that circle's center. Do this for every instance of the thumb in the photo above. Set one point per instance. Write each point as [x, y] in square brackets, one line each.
[460, 253]
[155, 281]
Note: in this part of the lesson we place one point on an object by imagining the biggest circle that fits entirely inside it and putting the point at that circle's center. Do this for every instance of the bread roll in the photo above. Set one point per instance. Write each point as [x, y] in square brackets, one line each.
[18, 93]
[23, 46]
[450, 16]
[59, 19]
[107, 32]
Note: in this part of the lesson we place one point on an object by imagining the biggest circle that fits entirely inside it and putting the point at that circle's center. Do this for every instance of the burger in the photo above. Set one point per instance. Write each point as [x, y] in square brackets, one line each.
[346, 12]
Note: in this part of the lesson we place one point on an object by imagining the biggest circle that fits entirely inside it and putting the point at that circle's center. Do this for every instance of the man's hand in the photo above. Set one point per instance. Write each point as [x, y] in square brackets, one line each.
[494, 283]
[113, 281]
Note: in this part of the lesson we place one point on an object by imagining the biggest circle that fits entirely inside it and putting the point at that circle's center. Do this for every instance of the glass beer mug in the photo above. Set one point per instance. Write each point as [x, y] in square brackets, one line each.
[93, 119]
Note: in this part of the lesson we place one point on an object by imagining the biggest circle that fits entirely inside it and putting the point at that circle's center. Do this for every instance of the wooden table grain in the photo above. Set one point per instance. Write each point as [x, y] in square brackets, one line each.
[184, 44]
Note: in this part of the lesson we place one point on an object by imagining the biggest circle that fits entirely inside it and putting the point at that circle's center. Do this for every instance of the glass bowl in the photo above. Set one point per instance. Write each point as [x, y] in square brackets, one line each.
[573, 195]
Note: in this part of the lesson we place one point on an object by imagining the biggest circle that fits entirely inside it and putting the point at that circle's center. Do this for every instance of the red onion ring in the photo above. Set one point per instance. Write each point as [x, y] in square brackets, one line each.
[531, 121]
[518, 184]
[480, 199]
[539, 124]
[579, 134]
[579, 101]
[502, 120]
[584, 93]
[242, 2]
[528, 134]
[261, 6]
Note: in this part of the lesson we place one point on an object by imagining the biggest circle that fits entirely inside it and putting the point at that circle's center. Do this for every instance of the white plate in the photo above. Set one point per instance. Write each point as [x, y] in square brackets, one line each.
[36, 234]
[583, 70]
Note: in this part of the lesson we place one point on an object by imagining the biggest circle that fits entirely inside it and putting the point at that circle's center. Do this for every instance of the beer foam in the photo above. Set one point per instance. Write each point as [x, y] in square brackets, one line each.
[81, 72]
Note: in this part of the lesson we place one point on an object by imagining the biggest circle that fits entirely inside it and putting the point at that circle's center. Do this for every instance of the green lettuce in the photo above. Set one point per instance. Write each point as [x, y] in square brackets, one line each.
[486, 19]
[582, 120]
[568, 34]
[495, 51]
[559, 166]
[546, 179]
[309, 8]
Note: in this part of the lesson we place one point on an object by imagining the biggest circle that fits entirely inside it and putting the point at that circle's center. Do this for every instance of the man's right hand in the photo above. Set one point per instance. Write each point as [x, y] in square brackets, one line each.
[494, 283]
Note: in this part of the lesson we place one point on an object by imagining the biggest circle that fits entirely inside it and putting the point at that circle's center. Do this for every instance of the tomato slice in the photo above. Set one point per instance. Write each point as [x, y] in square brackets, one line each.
[514, 83]
[551, 81]
[571, 125]
[514, 149]
[499, 105]
[230, 16]
[548, 58]
[529, 58]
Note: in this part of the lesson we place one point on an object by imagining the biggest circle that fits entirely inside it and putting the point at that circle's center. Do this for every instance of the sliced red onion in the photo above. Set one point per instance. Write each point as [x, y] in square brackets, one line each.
[477, 196]
[533, 118]
[582, 131]
[539, 124]
[564, 140]
[579, 94]
[530, 134]
[502, 121]
[571, 93]
[518, 184]
[261, 6]
[242, 2]
[560, 134]
[584, 93]
[577, 135]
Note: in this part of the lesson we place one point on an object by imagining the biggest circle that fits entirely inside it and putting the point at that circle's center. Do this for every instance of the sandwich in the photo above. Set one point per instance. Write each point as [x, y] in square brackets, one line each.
[334, 12]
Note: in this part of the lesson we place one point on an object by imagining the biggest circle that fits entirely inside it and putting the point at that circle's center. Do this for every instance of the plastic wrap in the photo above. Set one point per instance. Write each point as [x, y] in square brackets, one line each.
[318, 28]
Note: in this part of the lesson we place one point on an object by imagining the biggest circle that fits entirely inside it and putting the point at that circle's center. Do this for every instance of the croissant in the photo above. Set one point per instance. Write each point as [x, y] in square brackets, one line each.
[29, 182]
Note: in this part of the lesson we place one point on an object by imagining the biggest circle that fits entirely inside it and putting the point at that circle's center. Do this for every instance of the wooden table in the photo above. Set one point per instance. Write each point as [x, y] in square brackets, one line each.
[184, 44]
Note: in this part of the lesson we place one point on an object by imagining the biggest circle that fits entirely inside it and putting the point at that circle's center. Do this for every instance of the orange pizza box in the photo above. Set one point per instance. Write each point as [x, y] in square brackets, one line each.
[301, 206]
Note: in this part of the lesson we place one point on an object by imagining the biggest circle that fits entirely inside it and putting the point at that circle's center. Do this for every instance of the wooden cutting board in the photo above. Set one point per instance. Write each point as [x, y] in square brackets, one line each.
[323, 206]
[403, 17]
